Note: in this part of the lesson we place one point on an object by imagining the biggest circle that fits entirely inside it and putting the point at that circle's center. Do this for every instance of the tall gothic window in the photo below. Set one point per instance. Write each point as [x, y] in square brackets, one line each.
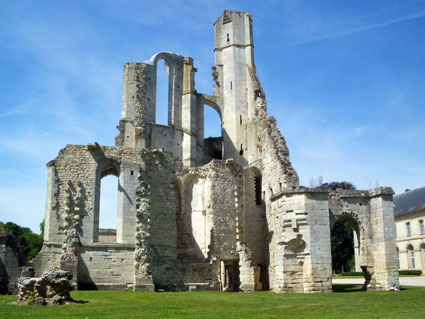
[162, 93]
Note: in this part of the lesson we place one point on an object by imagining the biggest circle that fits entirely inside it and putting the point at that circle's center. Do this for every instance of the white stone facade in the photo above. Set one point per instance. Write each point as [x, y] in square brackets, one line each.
[410, 229]
[205, 214]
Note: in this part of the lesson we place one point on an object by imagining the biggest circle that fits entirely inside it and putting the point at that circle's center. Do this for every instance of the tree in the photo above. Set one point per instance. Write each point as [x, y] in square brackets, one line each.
[42, 230]
[342, 246]
[30, 242]
[333, 186]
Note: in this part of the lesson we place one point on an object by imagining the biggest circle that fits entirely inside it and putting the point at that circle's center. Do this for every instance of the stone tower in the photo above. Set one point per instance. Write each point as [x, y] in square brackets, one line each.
[234, 58]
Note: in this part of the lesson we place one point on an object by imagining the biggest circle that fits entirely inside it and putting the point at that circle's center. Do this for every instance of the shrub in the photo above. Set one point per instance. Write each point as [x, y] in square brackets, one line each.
[351, 273]
[30, 300]
[410, 272]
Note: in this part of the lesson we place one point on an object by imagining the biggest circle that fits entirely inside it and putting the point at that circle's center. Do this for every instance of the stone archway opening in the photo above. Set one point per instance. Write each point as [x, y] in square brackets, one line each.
[213, 142]
[342, 246]
[348, 246]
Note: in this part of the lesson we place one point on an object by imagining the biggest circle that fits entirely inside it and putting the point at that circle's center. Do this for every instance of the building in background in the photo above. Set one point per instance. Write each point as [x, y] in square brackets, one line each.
[409, 211]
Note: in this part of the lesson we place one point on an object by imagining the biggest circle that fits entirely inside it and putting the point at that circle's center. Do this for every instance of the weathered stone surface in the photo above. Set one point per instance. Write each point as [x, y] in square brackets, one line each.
[52, 288]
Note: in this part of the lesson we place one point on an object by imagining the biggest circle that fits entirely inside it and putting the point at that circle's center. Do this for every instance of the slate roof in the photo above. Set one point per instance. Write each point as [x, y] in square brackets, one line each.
[409, 202]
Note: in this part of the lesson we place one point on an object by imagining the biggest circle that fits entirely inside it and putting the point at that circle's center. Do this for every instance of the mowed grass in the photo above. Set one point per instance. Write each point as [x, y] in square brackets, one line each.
[346, 302]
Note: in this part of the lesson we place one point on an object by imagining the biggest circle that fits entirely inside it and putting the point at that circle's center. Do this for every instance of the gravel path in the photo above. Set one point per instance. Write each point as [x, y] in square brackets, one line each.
[418, 281]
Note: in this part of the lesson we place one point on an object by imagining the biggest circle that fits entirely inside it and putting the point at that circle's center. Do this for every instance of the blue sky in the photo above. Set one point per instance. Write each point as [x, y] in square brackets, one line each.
[344, 79]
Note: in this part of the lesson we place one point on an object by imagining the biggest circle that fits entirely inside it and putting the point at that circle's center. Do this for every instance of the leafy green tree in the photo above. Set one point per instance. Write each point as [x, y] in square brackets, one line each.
[342, 246]
[42, 230]
[30, 242]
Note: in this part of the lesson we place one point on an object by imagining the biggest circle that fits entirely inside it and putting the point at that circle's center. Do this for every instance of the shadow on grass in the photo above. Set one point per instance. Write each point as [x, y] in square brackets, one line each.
[79, 301]
[354, 288]
[346, 288]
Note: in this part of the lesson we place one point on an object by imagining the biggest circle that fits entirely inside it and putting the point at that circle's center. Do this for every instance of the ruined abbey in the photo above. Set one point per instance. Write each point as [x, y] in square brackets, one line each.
[223, 213]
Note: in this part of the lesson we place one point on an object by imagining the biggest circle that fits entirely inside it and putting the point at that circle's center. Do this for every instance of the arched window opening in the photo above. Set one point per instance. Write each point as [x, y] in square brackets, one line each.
[108, 205]
[398, 258]
[411, 256]
[213, 143]
[162, 93]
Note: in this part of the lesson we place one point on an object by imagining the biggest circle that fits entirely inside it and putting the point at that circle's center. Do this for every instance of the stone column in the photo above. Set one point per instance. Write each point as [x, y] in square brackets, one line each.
[189, 113]
[382, 246]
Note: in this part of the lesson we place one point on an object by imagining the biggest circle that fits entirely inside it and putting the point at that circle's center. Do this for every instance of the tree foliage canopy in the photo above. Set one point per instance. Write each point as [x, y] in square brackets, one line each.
[342, 246]
[30, 242]
[333, 186]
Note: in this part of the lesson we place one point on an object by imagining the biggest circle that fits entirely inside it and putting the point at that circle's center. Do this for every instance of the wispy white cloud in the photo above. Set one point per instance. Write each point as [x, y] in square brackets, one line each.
[315, 151]
[342, 33]
[17, 110]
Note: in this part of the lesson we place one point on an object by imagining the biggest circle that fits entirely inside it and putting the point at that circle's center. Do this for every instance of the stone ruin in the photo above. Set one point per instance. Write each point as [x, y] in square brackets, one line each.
[196, 213]
[11, 259]
[52, 288]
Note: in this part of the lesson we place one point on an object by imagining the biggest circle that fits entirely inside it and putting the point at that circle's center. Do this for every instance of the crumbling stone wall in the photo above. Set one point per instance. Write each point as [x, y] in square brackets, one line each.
[11, 258]
[156, 221]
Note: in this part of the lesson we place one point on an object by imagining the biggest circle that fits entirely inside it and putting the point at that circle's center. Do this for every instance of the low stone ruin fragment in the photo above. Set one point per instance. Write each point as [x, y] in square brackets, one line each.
[52, 288]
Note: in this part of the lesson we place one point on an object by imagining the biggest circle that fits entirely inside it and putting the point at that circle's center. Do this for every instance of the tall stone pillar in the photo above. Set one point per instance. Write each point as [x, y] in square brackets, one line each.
[50, 219]
[189, 111]
[382, 245]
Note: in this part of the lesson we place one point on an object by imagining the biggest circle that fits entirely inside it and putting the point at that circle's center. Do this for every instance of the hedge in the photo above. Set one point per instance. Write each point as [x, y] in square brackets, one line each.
[410, 272]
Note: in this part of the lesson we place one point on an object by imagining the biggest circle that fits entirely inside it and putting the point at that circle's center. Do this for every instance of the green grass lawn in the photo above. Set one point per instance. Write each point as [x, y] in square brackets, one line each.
[347, 302]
